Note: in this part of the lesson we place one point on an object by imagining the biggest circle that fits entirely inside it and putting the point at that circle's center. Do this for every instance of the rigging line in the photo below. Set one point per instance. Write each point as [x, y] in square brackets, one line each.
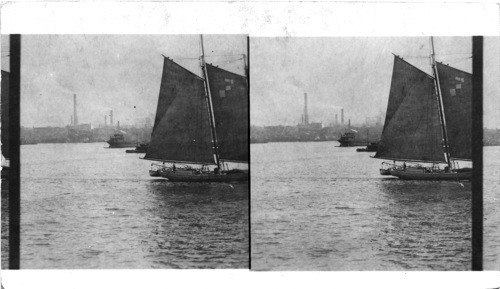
[426, 56]
[197, 58]
[230, 61]
[456, 59]
[223, 55]
[187, 58]
[453, 53]
[413, 56]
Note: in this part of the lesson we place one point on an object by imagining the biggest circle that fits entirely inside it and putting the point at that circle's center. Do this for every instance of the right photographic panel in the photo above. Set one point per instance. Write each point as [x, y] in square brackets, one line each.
[361, 153]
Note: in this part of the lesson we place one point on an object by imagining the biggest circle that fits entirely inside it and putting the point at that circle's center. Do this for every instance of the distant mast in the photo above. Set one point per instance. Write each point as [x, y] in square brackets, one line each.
[210, 106]
[306, 116]
[75, 117]
[441, 107]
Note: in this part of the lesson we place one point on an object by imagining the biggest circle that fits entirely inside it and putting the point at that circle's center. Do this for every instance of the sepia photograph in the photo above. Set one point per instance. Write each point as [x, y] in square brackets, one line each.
[133, 151]
[361, 153]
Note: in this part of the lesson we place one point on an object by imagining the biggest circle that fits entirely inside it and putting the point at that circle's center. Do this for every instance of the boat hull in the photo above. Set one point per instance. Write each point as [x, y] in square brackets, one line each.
[204, 177]
[115, 145]
[351, 143]
[431, 176]
[366, 150]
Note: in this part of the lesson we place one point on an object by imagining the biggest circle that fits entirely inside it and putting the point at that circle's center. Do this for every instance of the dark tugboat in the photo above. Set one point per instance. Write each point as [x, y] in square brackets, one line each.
[140, 149]
[117, 140]
[371, 147]
[348, 139]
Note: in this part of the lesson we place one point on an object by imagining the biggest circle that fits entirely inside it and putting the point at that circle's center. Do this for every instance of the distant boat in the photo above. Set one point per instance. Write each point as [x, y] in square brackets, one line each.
[117, 140]
[348, 139]
[140, 149]
[201, 125]
[371, 147]
[428, 122]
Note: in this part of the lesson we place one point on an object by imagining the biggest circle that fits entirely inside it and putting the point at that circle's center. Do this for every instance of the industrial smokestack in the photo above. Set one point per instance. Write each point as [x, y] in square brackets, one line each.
[349, 123]
[111, 117]
[118, 124]
[342, 116]
[75, 117]
[306, 116]
[105, 120]
[336, 119]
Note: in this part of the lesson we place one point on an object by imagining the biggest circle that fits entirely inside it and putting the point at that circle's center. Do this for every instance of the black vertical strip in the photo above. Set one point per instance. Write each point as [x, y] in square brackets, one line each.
[249, 163]
[477, 153]
[14, 170]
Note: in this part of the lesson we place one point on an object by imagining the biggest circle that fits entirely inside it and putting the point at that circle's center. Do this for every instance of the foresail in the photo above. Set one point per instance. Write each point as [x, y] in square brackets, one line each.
[230, 101]
[456, 89]
[181, 131]
[412, 128]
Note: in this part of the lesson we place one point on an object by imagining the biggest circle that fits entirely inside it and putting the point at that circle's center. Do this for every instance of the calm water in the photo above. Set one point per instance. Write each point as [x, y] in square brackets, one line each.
[491, 187]
[315, 206]
[85, 206]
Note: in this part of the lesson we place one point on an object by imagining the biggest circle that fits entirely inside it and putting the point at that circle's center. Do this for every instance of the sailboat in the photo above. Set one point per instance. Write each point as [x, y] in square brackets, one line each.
[201, 125]
[428, 123]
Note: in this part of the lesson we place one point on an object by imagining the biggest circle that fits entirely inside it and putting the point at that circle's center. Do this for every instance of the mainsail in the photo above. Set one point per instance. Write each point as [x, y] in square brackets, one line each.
[181, 132]
[230, 103]
[412, 129]
[456, 90]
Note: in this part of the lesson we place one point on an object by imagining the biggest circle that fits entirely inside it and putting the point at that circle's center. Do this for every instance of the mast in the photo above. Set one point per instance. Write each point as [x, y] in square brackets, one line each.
[245, 64]
[441, 107]
[210, 105]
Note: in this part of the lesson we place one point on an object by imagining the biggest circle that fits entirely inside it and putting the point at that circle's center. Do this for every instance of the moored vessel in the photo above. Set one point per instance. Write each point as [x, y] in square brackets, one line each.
[118, 140]
[139, 149]
[348, 139]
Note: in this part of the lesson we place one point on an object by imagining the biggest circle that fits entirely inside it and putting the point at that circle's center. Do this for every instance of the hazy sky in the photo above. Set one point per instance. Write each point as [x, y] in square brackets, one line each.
[108, 72]
[122, 71]
[353, 73]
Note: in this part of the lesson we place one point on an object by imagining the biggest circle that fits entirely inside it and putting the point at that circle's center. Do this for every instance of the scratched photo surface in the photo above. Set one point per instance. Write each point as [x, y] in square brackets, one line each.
[89, 106]
[330, 115]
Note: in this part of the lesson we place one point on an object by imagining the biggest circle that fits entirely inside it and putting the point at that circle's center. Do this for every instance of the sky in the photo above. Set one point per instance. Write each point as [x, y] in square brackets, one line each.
[122, 71]
[353, 73]
[117, 72]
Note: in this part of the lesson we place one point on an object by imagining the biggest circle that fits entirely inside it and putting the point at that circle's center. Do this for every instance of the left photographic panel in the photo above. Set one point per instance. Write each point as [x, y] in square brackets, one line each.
[134, 152]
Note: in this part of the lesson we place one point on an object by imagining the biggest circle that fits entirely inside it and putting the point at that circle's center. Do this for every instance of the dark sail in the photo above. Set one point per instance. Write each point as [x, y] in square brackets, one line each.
[412, 130]
[5, 114]
[456, 90]
[230, 101]
[182, 130]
